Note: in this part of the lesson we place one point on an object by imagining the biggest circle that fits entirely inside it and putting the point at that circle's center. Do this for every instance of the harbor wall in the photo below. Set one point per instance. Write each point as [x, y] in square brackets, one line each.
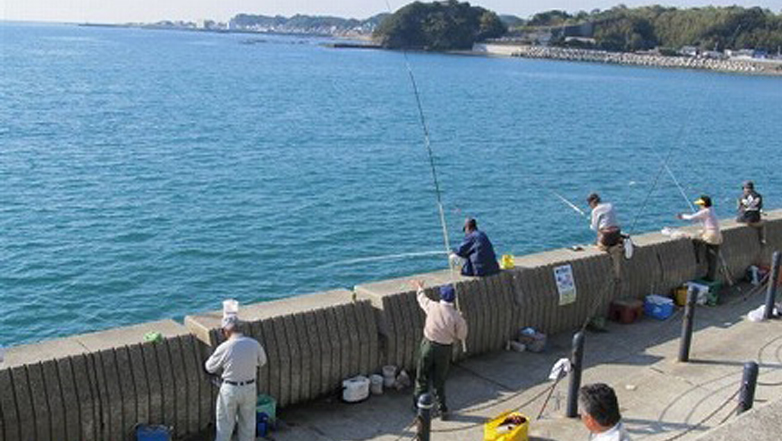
[99, 386]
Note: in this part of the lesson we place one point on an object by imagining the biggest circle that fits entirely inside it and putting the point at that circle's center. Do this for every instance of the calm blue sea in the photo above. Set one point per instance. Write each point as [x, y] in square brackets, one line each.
[151, 174]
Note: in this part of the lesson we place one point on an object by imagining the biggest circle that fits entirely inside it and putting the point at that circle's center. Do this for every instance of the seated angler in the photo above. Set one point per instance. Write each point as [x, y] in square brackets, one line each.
[477, 251]
[604, 223]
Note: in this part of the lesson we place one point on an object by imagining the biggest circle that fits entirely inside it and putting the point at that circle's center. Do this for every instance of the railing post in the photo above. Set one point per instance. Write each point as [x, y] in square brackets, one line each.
[771, 294]
[689, 314]
[576, 361]
[748, 382]
[424, 429]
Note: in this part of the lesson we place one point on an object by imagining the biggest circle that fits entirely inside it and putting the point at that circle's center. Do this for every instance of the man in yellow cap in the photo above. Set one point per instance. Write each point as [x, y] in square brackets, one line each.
[710, 235]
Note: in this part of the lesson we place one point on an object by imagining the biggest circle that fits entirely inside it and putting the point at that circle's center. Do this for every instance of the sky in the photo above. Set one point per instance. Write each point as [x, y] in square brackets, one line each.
[123, 11]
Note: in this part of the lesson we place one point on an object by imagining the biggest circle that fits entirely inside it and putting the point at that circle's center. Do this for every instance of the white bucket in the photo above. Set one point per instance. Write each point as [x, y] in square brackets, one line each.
[230, 307]
[376, 384]
[389, 376]
[355, 389]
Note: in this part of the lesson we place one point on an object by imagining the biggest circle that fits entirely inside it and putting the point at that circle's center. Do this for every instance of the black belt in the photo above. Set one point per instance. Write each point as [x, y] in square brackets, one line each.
[239, 383]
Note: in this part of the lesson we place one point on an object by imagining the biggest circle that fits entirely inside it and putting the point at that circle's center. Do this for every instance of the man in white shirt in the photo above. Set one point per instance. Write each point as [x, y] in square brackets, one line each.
[239, 358]
[444, 326]
[600, 413]
[604, 222]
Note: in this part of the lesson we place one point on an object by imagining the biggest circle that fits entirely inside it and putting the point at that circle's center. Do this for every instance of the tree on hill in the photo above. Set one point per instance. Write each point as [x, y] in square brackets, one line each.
[438, 26]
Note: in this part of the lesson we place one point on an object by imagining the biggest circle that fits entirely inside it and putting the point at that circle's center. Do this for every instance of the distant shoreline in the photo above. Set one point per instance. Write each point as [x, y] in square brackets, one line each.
[735, 66]
[218, 31]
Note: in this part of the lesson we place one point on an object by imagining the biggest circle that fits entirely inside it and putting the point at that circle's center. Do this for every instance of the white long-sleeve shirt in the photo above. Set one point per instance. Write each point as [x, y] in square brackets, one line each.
[444, 323]
[239, 357]
[603, 216]
[706, 217]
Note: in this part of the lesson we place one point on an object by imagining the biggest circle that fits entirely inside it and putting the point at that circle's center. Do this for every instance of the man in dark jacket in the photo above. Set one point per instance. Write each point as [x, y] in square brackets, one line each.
[477, 251]
[750, 205]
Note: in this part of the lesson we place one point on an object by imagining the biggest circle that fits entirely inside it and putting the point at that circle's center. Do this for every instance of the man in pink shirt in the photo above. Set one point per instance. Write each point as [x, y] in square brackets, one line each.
[444, 326]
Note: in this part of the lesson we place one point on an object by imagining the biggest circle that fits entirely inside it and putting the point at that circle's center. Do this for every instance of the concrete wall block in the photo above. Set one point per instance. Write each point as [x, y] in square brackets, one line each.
[56, 407]
[180, 386]
[677, 263]
[335, 373]
[111, 397]
[37, 386]
[170, 397]
[193, 375]
[398, 338]
[353, 342]
[773, 239]
[740, 249]
[412, 325]
[365, 333]
[274, 362]
[154, 385]
[304, 337]
[127, 391]
[70, 399]
[316, 354]
[255, 330]
[284, 365]
[12, 426]
[296, 354]
[88, 399]
[207, 390]
[324, 383]
[484, 302]
[140, 383]
[24, 404]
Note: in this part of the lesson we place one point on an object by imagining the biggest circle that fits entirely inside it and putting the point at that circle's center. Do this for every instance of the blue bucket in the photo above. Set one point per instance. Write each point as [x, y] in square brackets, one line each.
[261, 424]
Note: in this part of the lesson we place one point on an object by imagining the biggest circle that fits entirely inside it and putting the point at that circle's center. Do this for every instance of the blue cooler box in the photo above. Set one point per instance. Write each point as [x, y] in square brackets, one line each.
[658, 307]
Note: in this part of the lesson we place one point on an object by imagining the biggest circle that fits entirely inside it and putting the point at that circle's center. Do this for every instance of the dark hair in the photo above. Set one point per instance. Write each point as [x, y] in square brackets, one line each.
[471, 224]
[706, 201]
[599, 401]
[593, 197]
[749, 184]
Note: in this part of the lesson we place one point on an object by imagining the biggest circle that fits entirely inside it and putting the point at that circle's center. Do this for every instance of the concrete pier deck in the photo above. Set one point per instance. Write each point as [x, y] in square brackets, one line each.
[659, 397]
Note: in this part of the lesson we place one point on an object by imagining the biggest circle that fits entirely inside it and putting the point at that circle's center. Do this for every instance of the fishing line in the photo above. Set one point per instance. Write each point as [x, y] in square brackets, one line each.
[386, 257]
[682, 139]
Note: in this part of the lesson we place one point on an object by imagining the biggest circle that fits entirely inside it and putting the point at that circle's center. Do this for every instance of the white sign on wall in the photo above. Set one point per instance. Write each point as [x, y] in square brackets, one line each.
[566, 284]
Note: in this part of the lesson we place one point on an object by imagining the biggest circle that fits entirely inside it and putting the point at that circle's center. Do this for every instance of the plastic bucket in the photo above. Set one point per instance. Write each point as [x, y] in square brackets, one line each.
[230, 307]
[389, 376]
[376, 384]
[266, 404]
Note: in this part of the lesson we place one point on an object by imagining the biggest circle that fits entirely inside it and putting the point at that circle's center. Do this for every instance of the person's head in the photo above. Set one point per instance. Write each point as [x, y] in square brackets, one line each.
[593, 199]
[470, 225]
[599, 407]
[447, 293]
[703, 201]
[748, 187]
[230, 325]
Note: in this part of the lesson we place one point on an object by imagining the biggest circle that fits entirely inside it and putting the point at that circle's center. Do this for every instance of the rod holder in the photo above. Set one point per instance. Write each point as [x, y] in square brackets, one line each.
[424, 429]
[576, 360]
[687, 322]
[771, 294]
[749, 381]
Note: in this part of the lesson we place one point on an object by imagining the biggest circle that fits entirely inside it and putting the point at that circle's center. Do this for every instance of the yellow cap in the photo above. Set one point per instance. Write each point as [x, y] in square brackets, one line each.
[700, 202]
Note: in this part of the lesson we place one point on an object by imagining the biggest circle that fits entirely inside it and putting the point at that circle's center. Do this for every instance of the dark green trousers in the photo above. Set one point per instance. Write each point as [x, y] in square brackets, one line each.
[434, 360]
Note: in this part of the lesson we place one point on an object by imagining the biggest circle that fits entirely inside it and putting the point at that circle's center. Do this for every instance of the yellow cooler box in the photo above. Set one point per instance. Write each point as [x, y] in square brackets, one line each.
[509, 426]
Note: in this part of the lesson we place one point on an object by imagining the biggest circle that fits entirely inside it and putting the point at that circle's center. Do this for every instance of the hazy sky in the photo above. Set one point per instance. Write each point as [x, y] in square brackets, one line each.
[153, 10]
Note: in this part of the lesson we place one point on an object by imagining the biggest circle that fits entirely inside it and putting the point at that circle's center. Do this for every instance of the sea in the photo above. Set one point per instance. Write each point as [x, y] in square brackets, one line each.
[150, 174]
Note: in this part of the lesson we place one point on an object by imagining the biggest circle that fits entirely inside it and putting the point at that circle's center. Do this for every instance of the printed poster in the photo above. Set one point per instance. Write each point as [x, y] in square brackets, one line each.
[566, 284]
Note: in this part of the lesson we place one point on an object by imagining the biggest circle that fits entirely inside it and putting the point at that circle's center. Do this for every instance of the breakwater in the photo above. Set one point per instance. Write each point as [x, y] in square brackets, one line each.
[98, 386]
[628, 58]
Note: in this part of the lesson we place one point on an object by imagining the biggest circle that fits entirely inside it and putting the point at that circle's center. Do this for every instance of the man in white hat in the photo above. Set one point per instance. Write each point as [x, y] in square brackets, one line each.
[239, 358]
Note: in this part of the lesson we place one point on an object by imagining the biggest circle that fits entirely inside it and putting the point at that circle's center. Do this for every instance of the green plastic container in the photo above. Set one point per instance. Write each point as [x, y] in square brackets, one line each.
[713, 297]
[266, 404]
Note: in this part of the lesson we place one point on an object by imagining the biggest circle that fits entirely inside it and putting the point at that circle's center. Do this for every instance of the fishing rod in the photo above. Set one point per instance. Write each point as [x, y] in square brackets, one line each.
[435, 180]
[570, 204]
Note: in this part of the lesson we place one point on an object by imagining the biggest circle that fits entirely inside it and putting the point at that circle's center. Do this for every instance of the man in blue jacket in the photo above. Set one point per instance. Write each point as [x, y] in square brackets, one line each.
[477, 251]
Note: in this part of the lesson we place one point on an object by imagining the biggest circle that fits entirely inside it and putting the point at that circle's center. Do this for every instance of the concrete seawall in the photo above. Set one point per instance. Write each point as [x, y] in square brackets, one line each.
[98, 386]
[628, 58]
